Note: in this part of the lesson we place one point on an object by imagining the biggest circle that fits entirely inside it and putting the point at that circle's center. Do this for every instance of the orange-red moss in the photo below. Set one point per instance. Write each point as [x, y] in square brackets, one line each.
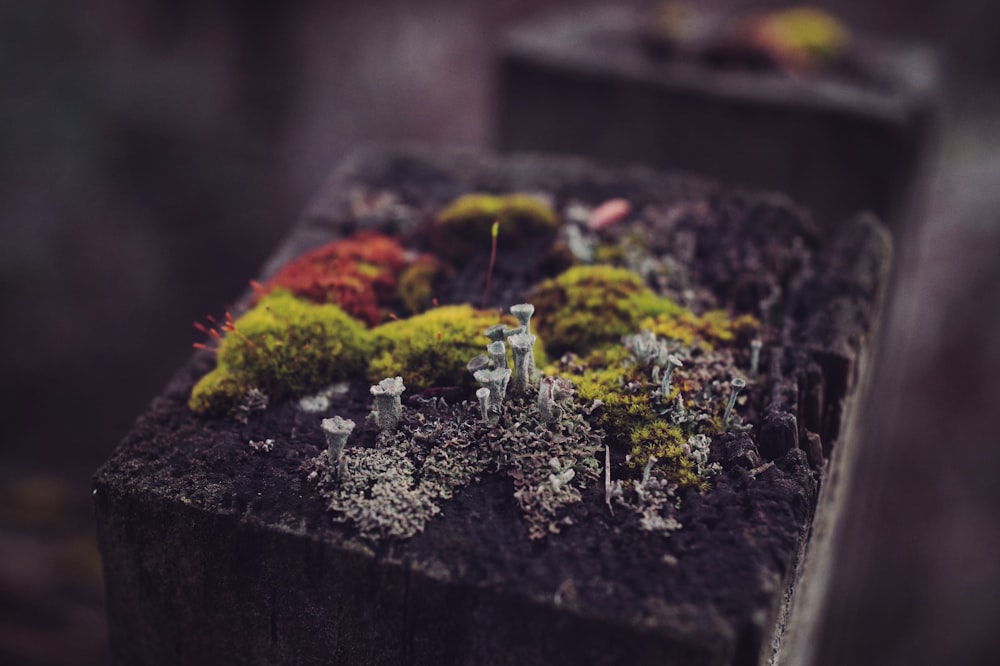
[358, 273]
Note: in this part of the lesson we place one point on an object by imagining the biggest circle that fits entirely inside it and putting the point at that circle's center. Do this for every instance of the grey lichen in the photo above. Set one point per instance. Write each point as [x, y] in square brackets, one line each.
[647, 349]
[392, 491]
[652, 500]
[483, 395]
[480, 362]
[254, 400]
[697, 449]
[523, 345]
[673, 362]
[551, 392]
[737, 385]
[497, 332]
[337, 431]
[388, 404]
[522, 312]
[262, 445]
[495, 381]
[498, 354]
[549, 465]
[580, 246]
[755, 347]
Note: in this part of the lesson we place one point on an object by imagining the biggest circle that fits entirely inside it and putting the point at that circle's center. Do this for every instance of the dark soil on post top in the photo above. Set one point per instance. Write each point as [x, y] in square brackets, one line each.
[717, 582]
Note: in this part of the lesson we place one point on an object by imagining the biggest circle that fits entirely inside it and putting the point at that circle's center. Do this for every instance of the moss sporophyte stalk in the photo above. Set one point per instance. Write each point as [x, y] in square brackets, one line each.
[596, 377]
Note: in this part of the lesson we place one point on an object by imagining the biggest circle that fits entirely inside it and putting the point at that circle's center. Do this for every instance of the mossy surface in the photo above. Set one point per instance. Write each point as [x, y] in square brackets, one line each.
[218, 392]
[632, 412]
[283, 346]
[465, 226]
[432, 348]
[587, 307]
[418, 281]
[665, 442]
[802, 39]
[625, 379]
[713, 328]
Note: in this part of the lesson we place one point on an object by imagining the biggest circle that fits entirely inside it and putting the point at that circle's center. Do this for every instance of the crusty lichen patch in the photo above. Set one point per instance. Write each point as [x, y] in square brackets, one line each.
[394, 490]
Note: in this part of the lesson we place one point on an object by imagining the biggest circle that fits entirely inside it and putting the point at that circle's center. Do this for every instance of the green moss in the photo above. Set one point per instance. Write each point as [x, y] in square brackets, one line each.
[588, 307]
[632, 410]
[465, 225]
[666, 443]
[417, 282]
[604, 375]
[432, 348]
[283, 346]
[591, 306]
[806, 33]
[629, 413]
[708, 330]
[218, 392]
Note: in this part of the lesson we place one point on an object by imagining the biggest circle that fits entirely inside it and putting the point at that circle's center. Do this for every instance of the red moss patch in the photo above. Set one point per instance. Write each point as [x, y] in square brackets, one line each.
[358, 273]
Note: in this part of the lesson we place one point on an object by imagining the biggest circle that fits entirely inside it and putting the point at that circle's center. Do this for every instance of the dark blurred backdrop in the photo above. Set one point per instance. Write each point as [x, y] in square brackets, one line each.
[152, 152]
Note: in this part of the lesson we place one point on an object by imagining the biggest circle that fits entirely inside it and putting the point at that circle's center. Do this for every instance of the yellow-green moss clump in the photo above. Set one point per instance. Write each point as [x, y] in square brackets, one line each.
[588, 311]
[713, 328]
[418, 281]
[605, 375]
[588, 307]
[432, 348]
[284, 346]
[665, 442]
[630, 412]
[465, 226]
[802, 39]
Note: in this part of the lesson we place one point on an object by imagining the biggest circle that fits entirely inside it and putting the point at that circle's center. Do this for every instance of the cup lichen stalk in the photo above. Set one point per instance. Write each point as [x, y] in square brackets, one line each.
[388, 406]
[737, 385]
[483, 394]
[755, 346]
[522, 345]
[337, 431]
[497, 332]
[495, 381]
[547, 407]
[498, 354]
[673, 362]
